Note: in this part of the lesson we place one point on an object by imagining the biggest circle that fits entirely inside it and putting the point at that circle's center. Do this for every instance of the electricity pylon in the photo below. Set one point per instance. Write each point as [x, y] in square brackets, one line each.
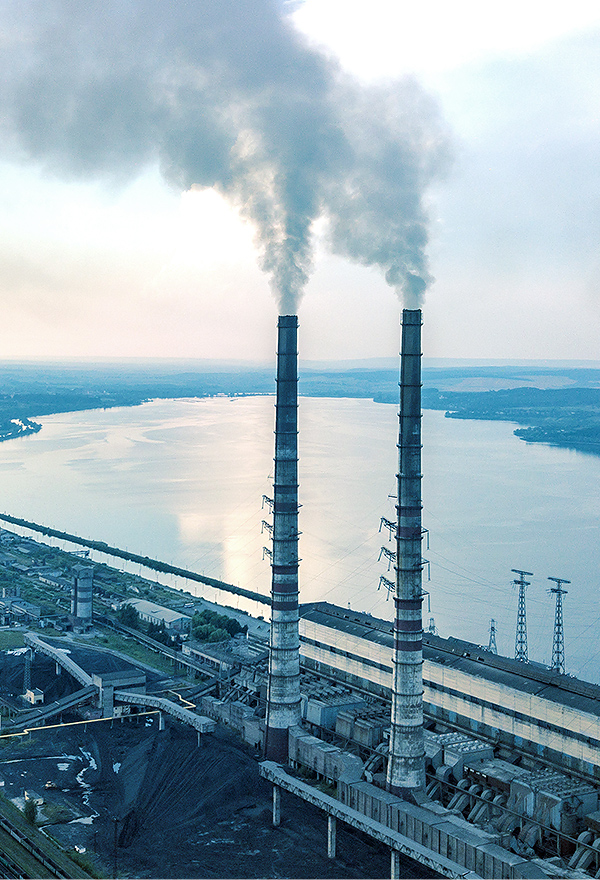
[521, 637]
[558, 642]
[27, 674]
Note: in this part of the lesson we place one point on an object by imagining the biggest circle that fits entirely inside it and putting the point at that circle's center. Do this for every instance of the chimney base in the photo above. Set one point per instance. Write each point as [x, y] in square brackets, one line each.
[276, 745]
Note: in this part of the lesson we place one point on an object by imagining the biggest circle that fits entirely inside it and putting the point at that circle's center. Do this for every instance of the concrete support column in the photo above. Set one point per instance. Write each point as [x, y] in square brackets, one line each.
[161, 721]
[58, 668]
[331, 836]
[276, 806]
[395, 865]
[106, 697]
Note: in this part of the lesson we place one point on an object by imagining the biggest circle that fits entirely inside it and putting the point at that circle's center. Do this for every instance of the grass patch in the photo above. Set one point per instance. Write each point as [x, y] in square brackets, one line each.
[84, 861]
[10, 639]
[55, 814]
[115, 642]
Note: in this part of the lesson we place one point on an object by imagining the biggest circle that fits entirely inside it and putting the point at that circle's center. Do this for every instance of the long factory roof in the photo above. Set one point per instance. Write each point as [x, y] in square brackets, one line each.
[531, 678]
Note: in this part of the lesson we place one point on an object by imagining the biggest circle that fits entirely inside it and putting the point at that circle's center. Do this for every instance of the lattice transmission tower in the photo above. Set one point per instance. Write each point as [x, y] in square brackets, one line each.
[27, 673]
[492, 642]
[521, 637]
[558, 642]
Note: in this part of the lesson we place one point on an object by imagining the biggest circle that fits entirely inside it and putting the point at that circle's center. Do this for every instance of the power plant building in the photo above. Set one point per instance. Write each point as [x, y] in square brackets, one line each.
[523, 706]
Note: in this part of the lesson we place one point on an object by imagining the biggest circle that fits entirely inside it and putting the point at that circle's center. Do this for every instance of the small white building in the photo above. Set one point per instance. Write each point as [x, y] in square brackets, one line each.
[157, 614]
[34, 696]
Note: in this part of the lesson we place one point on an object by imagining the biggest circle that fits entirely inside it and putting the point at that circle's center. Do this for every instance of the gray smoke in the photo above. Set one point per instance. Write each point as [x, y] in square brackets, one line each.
[226, 94]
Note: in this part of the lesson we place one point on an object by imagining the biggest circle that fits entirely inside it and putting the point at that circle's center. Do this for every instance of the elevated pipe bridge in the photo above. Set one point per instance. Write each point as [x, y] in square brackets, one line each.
[201, 723]
[61, 657]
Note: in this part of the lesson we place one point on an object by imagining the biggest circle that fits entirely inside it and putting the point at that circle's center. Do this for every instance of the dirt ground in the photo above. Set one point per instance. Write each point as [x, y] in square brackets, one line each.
[174, 808]
[181, 810]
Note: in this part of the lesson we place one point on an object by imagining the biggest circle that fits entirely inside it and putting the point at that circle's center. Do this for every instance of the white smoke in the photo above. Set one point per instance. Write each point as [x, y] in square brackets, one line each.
[227, 94]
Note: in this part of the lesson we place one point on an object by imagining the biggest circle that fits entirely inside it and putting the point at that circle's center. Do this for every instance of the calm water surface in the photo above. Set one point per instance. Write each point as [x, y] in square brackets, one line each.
[183, 481]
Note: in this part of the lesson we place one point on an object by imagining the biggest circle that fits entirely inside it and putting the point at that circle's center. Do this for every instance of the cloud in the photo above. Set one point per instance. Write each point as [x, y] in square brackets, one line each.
[525, 189]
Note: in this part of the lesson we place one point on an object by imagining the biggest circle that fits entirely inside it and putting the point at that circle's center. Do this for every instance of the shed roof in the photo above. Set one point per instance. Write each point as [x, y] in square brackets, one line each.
[142, 606]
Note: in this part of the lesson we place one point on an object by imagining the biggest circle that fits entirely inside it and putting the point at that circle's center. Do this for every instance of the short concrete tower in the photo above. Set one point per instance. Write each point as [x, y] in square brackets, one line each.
[283, 698]
[81, 594]
[406, 760]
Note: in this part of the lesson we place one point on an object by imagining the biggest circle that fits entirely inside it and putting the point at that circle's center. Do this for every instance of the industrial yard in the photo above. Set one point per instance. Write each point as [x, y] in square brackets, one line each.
[324, 743]
[201, 805]
[182, 809]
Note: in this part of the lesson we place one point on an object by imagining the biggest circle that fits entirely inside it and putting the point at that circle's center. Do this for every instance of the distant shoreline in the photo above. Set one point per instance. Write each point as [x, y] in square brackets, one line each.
[18, 427]
[557, 405]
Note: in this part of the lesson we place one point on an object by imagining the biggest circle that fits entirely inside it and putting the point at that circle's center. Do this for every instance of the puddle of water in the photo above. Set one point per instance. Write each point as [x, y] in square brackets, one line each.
[87, 789]
[37, 758]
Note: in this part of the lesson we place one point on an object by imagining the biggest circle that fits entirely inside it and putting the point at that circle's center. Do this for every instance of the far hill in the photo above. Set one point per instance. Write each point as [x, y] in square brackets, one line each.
[554, 402]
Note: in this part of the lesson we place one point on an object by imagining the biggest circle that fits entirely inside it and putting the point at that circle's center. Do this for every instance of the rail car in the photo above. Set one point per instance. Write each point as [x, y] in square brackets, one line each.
[23, 840]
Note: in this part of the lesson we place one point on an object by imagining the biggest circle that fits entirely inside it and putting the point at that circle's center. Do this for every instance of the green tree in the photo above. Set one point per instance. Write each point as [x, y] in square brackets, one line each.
[129, 617]
[206, 623]
[218, 635]
[158, 632]
[30, 811]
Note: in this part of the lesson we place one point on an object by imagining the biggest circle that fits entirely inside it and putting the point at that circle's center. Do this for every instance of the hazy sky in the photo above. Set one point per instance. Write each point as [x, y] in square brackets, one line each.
[318, 170]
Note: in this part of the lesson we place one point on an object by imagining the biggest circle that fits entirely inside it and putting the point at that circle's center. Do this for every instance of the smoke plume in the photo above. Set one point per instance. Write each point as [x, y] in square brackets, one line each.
[227, 94]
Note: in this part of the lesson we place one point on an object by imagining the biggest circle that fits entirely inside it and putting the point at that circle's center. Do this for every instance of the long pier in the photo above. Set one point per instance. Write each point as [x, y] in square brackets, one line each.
[146, 561]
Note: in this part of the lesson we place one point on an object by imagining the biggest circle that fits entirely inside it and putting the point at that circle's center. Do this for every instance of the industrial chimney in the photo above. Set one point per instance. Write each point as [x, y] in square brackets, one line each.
[81, 595]
[283, 698]
[406, 759]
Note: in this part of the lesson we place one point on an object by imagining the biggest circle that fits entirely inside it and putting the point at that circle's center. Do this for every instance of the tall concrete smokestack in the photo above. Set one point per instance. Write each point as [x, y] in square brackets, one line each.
[406, 760]
[283, 699]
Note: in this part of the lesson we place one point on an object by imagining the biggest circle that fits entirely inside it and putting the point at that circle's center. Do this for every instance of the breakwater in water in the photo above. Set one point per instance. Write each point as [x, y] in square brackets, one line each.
[146, 561]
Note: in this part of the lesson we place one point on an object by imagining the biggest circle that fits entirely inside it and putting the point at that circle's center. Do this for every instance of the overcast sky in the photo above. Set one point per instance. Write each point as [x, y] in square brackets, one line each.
[168, 185]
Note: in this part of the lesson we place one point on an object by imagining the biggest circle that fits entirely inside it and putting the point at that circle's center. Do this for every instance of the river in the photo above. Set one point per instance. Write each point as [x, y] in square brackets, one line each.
[183, 480]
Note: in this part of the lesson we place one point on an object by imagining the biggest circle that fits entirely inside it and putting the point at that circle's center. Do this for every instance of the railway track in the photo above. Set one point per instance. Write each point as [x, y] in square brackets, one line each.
[24, 853]
[8, 866]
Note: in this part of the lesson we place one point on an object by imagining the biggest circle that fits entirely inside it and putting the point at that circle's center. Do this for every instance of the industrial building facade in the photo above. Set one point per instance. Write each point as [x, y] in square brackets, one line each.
[150, 612]
[522, 706]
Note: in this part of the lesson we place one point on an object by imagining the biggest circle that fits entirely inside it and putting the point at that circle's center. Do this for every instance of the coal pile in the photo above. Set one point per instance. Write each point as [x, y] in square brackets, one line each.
[43, 676]
[181, 810]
